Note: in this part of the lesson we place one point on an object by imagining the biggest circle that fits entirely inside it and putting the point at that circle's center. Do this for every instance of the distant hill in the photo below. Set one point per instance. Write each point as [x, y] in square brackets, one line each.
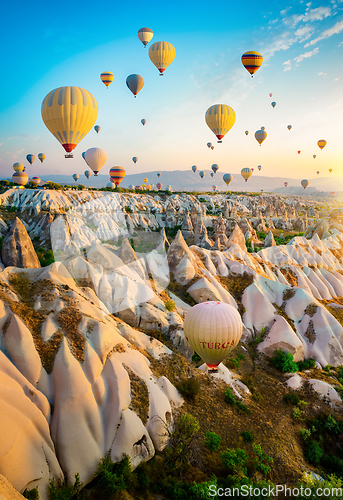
[190, 181]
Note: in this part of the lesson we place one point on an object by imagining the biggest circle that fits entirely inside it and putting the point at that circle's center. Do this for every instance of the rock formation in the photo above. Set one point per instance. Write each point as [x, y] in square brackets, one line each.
[17, 248]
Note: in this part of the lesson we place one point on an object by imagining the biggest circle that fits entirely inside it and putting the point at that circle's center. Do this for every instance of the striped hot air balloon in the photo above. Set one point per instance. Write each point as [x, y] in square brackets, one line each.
[20, 178]
[36, 180]
[159, 185]
[30, 158]
[18, 167]
[107, 78]
[260, 136]
[41, 157]
[162, 54]
[322, 143]
[117, 174]
[145, 35]
[220, 118]
[252, 61]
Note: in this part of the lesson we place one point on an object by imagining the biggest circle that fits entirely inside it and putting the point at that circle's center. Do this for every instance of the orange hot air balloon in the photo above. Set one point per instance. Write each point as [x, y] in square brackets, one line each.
[117, 174]
[107, 78]
[252, 61]
[322, 143]
[330, 170]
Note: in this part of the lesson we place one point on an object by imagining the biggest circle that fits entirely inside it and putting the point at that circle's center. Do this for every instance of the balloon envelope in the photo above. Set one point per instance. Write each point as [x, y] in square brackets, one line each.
[314, 156]
[158, 175]
[212, 174]
[213, 329]
[259, 167]
[322, 143]
[194, 168]
[30, 158]
[143, 122]
[159, 185]
[117, 174]
[135, 83]
[304, 183]
[97, 128]
[75, 177]
[41, 157]
[285, 184]
[162, 54]
[246, 173]
[107, 78]
[273, 104]
[227, 178]
[69, 113]
[95, 159]
[215, 167]
[202, 174]
[145, 35]
[18, 167]
[88, 173]
[145, 180]
[209, 144]
[246, 132]
[220, 118]
[260, 136]
[135, 159]
[36, 180]
[20, 178]
[252, 61]
[330, 170]
[289, 127]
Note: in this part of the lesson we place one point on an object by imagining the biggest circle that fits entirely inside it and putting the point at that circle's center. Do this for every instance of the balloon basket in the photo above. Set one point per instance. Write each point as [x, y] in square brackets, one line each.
[69, 156]
[212, 369]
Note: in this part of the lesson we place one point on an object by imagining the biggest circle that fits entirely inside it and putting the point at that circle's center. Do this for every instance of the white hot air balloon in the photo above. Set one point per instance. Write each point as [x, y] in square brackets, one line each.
[213, 329]
[95, 159]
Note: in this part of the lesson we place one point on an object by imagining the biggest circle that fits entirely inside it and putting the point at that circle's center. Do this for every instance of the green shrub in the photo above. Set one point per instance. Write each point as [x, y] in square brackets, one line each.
[291, 397]
[327, 368]
[189, 388]
[247, 436]
[305, 433]
[284, 361]
[307, 364]
[297, 413]
[230, 398]
[235, 460]
[212, 440]
[31, 494]
[62, 491]
[261, 459]
[170, 305]
[114, 477]
[314, 452]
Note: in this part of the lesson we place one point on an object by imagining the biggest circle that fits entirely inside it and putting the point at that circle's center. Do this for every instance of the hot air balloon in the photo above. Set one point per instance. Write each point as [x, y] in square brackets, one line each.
[202, 174]
[212, 174]
[24, 169]
[246, 173]
[220, 118]
[304, 183]
[317, 172]
[252, 169]
[117, 174]
[143, 122]
[107, 78]
[131, 186]
[299, 152]
[194, 168]
[212, 147]
[20, 178]
[289, 127]
[111, 185]
[18, 167]
[169, 188]
[213, 329]
[270, 95]
[285, 184]
[145, 180]
[69, 113]
[95, 159]
[263, 128]
[161, 55]
[159, 174]
[148, 187]
[36, 180]
[138, 187]
[145, 35]
[333, 194]
[330, 170]
[246, 132]
[214, 187]
[159, 185]
[215, 168]
[30, 158]
[135, 159]
[97, 128]
[75, 177]
[252, 61]
[83, 155]
[209, 144]
[259, 167]
[273, 104]
[314, 156]
[88, 173]
[135, 83]
[322, 143]
[41, 157]
[260, 136]
[227, 178]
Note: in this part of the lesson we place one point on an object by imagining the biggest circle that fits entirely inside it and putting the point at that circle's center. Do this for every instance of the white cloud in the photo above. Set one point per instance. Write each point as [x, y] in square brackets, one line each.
[317, 14]
[337, 28]
[288, 65]
[303, 33]
[306, 55]
[322, 74]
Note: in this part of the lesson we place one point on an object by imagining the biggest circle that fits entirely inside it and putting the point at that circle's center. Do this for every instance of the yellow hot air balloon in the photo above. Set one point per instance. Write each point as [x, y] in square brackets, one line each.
[246, 173]
[330, 170]
[107, 78]
[213, 329]
[18, 167]
[145, 180]
[69, 113]
[322, 143]
[41, 157]
[161, 55]
[260, 136]
[145, 35]
[252, 61]
[220, 118]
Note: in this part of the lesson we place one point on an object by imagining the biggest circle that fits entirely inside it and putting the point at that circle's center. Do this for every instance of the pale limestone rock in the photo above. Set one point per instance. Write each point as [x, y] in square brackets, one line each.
[237, 237]
[17, 248]
[269, 240]
[281, 336]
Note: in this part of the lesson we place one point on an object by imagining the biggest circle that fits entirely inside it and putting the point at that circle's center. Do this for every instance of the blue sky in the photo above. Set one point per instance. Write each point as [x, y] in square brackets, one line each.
[302, 46]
